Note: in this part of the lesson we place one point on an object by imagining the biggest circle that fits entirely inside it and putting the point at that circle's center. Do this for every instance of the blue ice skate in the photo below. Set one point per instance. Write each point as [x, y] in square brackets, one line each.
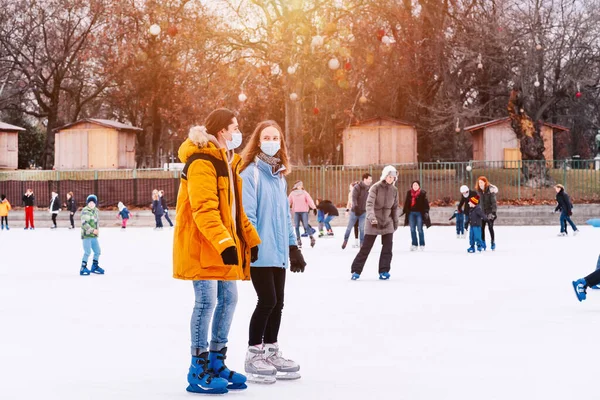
[202, 380]
[304, 234]
[384, 276]
[216, 364]
[471, 250]
[96, 268]
[493, 246]
[595, 287]
[84, 269]
[355, 276]
[579, 287]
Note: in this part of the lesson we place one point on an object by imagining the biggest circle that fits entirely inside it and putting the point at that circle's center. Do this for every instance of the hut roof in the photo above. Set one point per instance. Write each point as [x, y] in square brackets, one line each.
[507, 119]
[9, 128]
[103, 122]
[389, 119]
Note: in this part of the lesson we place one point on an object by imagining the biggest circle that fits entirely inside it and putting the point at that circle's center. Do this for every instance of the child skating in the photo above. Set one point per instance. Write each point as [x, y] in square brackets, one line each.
[89, 236]
[326, 212]
[72, 208]
[54, 209]
[460, 222]
[157, 210]
[592, 280]
[476, 218]
[566, 210]
[29, 202]
[4, 209]
[124, 214]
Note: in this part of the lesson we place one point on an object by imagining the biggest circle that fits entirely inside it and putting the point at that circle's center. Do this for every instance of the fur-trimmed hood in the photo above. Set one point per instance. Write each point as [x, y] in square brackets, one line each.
[200, 139]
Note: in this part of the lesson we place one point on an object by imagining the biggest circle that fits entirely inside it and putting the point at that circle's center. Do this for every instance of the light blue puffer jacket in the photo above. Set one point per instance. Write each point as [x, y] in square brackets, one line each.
[266, 205]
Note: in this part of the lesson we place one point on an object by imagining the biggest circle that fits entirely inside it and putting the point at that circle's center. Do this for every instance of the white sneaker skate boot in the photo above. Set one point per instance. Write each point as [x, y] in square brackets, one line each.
[257, 368]
[286, 369]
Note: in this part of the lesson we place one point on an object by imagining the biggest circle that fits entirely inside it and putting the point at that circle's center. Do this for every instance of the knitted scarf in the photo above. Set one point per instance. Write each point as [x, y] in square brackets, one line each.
[274, 162]
[414, 196]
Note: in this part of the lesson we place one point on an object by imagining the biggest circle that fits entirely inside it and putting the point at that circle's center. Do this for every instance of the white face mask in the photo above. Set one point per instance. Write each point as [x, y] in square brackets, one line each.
[270, 148]
[235, 142]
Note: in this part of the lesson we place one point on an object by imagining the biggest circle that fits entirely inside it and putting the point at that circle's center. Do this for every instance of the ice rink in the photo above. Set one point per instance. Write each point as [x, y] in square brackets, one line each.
[448, 325]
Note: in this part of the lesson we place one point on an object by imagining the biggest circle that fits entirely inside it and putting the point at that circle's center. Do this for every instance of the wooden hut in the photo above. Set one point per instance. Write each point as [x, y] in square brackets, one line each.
[496, 141]
[9, 146]
[95, 144]
[380, 140]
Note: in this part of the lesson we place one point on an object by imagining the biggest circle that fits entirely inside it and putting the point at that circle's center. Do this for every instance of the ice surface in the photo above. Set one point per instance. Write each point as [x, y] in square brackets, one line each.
[448, 325]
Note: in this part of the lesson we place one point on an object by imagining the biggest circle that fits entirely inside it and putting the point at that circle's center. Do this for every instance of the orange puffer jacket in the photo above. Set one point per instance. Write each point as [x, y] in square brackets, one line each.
[205, 226]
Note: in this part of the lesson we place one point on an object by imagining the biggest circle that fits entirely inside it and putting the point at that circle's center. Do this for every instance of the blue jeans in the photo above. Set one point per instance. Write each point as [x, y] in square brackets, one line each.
[460, 224]
[158, 219]
[90, 244]
[415, 220]
[166, 215]
[215, 300]
[564, 218]
[475, 237]
[361, 226]
[301, 216]
[322, 219]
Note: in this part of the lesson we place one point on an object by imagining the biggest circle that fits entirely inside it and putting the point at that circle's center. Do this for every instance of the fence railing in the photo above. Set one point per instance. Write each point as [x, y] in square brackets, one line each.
[441, 180]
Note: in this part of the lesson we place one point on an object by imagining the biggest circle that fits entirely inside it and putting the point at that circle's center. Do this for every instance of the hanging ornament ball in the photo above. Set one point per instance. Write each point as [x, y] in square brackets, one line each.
[172, 30]
[480, 66]
[386, 40]
[154, 30]
[317, 41]
[291, 70]
[334, 63]
[469, 168]
[348, 66]
[242, 97]
[538, 46]
[363, 99]
[578, 94]
[316, 111]
[293, 97]
[536, 84]
[457, 129]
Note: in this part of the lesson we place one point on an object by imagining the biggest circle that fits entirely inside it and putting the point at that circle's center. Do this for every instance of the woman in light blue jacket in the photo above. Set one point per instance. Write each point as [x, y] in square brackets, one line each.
[266, 204]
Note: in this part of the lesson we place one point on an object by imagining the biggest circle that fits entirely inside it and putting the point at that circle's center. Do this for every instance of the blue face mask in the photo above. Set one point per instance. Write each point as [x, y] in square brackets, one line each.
[235, 142]
[270, 148]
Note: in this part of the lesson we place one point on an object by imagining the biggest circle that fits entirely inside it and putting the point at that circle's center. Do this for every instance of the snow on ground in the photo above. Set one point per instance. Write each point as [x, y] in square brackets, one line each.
[448, 325]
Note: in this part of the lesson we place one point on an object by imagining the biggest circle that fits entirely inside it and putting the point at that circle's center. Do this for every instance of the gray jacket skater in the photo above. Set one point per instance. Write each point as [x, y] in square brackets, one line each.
[382, 219]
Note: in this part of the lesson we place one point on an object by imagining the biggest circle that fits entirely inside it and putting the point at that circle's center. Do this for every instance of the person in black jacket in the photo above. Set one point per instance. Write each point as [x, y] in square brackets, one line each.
[72, 208]
[566, 210]
[487, 197]
[464, 206]
[326, 212]
[477, 219]
[163, 202]
[54, 209]
[360, 192]
[29, 202]
[416, 212]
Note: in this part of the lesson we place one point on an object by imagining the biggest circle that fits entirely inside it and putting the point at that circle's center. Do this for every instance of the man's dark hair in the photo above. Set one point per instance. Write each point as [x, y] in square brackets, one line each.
[366, 176]
[218, 120]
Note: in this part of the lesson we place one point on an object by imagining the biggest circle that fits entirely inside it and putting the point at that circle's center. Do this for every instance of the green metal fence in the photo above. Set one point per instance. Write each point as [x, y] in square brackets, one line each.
[441, 180]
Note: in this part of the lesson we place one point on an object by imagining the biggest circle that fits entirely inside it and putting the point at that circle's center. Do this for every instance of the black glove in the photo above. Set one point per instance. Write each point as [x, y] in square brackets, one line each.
[297, 262]
[254, 254]
[315, 211]
[230, 256]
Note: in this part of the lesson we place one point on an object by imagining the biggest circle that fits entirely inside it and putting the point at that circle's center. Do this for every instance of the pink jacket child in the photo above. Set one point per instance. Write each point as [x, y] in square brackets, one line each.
[300, 200]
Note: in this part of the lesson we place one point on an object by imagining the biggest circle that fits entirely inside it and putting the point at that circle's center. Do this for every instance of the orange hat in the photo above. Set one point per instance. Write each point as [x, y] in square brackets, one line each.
[474, 200]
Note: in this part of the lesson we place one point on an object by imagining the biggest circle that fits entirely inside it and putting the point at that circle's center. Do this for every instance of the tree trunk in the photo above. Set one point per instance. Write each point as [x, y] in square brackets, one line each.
[48, 158]
[293, 130]
[535, 174]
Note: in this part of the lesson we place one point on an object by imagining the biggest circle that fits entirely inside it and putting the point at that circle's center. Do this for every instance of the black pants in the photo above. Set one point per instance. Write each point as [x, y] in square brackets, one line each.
[72, 218]
[490, 225]
[4, 220]
[356, 230]
[54, 219]
[593, 279]
[385, 259]
[269, 283]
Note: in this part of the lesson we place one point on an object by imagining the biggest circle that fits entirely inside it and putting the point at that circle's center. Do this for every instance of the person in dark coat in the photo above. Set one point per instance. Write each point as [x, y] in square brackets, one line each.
[416, 213]
[71, 206]
[163, 203]
[463, 206]
[54, 208]
[566, 210]
[157, 209]
[477, 219]
[358, 203]
[487, 198]
[381, 219]
[326, 212]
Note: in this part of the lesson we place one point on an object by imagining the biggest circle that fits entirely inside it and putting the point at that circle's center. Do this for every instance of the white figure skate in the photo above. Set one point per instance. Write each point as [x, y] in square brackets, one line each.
[257, 368]
[286, 369]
